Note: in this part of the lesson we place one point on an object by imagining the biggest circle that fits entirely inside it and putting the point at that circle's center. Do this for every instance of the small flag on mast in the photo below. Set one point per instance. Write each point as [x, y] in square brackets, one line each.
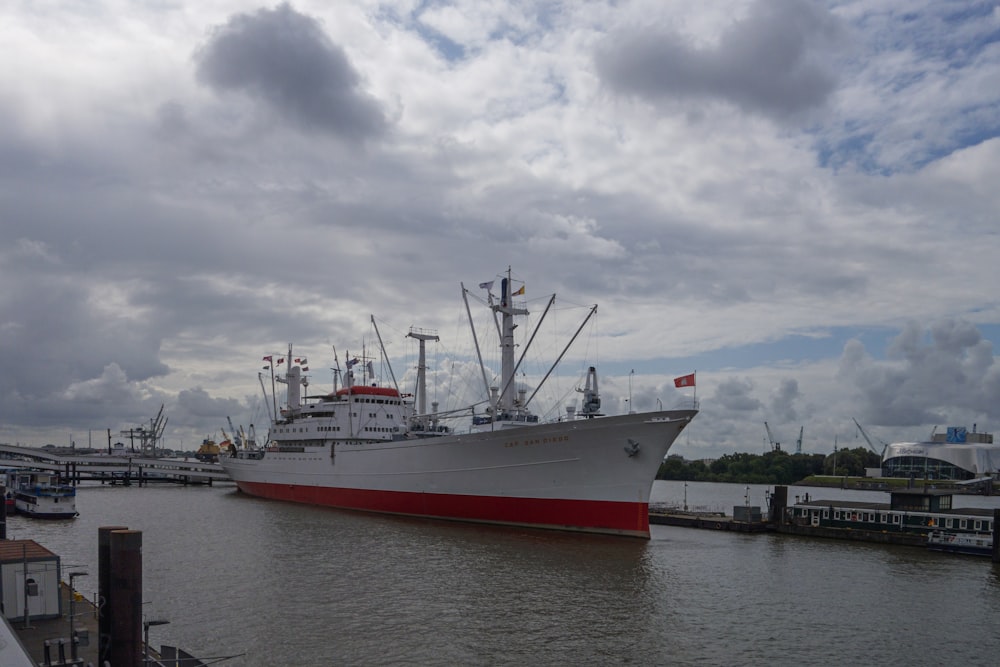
[267, 358]
[487, 285]
[684, 381]
[519, 292]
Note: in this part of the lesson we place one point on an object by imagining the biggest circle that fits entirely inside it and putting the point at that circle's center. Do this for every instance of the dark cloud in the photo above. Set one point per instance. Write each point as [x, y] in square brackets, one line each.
[284, 59]
[944, 374]
[735, 394]
[782, 402]
[198, 403]
[769, 62]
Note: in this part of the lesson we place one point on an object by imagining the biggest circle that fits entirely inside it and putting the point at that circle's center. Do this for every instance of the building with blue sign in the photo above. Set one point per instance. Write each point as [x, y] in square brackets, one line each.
[957, 454]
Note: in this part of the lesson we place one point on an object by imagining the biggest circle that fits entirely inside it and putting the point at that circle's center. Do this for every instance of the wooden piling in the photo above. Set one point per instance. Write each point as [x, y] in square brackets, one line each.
[126, 598]
[996, 535]
[104, 589]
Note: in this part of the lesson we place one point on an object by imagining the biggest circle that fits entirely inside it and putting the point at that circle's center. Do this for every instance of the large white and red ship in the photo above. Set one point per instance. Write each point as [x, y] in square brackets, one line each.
[370, 447]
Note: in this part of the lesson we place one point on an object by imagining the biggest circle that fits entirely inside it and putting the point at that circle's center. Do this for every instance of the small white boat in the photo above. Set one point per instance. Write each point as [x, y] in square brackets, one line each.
[41, 495]
[977, 544]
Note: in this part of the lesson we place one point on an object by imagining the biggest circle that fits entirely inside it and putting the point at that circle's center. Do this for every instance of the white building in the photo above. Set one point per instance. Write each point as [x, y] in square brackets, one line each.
[29, 576]
[953, 455]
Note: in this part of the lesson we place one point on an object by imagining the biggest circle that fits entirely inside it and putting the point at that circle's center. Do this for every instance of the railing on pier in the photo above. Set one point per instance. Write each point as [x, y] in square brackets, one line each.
[112, 469]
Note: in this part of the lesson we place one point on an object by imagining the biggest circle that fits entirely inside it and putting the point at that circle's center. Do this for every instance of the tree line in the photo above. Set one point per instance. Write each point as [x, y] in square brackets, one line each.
[774, 467]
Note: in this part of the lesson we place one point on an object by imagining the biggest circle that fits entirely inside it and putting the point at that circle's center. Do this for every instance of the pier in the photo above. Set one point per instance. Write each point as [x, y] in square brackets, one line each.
[908, 519]
[113, 469]
[706, 521]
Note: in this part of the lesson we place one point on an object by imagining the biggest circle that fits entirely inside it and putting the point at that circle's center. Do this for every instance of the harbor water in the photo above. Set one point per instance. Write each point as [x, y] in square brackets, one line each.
[283, 584]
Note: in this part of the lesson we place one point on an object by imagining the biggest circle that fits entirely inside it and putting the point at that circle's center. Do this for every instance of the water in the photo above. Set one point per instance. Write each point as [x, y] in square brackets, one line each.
[286, 584]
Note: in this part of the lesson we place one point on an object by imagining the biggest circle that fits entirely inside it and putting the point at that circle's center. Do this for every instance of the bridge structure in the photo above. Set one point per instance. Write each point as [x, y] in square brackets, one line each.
[111, 469]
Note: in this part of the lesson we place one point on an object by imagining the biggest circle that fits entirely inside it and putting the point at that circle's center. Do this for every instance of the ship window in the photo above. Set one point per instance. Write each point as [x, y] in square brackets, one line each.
[978, 525]
[963, 524]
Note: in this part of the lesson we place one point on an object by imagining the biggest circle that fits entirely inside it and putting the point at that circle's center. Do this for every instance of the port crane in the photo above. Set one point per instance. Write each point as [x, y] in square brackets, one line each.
[775, 446]
[237, 435]
[149, 436]
[869, 440]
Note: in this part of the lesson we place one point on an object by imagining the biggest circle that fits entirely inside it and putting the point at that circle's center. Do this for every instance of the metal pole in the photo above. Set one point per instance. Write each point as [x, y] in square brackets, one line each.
[145, 639]
[72, 612]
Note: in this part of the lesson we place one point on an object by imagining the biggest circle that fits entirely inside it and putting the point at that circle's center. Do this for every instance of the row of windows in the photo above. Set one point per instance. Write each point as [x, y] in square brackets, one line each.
[923, 466]
[893, 518]
[305, 429]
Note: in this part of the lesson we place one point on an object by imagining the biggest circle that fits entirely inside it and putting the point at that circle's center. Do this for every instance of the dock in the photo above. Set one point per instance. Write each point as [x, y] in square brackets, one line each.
[113, 469]
[52, 624]
[908, 519]
[47, 640]
[705, 521]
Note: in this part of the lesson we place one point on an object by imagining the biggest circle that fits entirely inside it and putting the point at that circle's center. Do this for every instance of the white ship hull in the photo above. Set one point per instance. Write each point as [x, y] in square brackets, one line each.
[591, 475]
[40, 495]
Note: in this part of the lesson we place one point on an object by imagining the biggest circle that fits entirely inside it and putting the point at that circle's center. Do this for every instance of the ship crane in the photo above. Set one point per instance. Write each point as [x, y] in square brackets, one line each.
[869, 441]
[798, 443]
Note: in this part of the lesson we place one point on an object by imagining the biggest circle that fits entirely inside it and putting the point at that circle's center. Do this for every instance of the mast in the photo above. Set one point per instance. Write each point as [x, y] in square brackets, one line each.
[507, 312]
[475, 339]
[260, 377]
[563, 353]
[423, 337]
[527, 347]
[385, 356]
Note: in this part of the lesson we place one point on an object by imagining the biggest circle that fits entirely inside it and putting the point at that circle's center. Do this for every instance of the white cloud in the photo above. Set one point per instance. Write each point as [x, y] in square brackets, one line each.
[174, 227]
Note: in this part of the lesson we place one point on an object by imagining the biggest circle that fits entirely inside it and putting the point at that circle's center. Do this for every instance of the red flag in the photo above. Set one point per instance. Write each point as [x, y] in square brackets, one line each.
[684, 381]
[267, 358]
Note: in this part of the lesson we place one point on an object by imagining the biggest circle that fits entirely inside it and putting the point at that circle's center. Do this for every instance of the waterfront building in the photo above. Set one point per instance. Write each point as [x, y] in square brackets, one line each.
[955, 454]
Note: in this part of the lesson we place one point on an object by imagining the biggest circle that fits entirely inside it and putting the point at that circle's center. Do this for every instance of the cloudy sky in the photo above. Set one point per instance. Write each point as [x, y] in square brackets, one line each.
[796, 199]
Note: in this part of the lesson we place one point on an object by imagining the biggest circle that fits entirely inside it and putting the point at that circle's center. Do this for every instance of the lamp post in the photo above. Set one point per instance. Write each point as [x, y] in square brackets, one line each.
[631, 407]
[145, 637]
[72, 612]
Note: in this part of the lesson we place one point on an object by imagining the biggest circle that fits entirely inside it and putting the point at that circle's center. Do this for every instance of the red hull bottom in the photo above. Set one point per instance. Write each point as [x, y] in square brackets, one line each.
[591, 516]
